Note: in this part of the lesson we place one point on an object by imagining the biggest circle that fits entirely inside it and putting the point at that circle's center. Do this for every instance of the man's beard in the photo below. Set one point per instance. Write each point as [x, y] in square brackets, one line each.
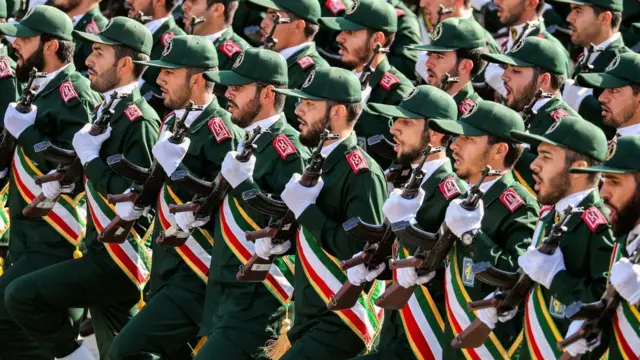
[247, 113]
[409, 157]
[105, 81]
[67, 7]
[361, 54]
[466, 174]
[180, 99]
[36, 60]
[627, 215]
[528, 93]
[617, 121]
[312, 138]
[557, 187]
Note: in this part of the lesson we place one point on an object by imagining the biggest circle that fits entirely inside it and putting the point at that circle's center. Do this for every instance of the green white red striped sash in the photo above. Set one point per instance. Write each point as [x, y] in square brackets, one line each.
[4, 211]
[626, 322]
[422, 321]
[324, 273]
[233, 222]
[197, 249]
[67, 216]
[459, 317]
[132, 256]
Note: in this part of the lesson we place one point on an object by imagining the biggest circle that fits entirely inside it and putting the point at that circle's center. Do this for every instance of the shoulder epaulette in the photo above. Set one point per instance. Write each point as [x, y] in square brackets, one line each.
[388, 80]
[67, 91]
[545, 209]
[219, 129]
[166, 37]
[449, 188]
[132, 112]
[283, 146]
[335, 6]
[558, 114]
[465, 106]
[305, 62]
[357, 161]
[594, 218]
[511, 200]
[92, 27]
[230, 48]
[399, 12]
[5, 68]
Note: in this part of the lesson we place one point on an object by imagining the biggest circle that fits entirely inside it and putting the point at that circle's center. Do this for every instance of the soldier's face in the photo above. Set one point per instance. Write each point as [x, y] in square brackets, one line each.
[66, 5]
[282, 33]
[521, 86]
[510, 11]
[619, 106]
[431, 8]
[410, 136]
[470, 155]
[620, 193]
[102, 68]
[146, 6]
[244, 103]
[314, 117]
[355, 47]
[583, 25]
[30, 53]
[197, 8]
[551, 174]
[175, 86]
[440, 63]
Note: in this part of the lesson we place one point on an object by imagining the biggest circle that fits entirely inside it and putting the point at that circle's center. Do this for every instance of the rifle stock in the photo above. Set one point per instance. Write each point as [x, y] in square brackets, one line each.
[473, 336]
[185, 180]
[264, 204]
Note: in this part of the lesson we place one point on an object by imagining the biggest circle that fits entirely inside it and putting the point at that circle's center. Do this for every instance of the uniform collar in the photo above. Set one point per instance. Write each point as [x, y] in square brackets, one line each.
[122, 90]
[154, 25]
[629, 130]
[604, 45]
[539, 104]
[485, 186]
[192, 116]
[264, 123]
[327, 149]
[43, 82]
[215, 36]
[288, 52]
[76, 19]
[430, 167]
[633, 239]
[572, 200]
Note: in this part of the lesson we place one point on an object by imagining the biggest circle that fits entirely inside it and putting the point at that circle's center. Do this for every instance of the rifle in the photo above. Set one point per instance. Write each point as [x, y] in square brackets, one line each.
[368, 70]
[69, 167]
[398, 174]
[447, 80]
[280, 228]
[208, 197]
[7, 141]
[142, 18]
[527, 112]
[379, 241]
[585, 67]
[193, 22]
[442, 11]
[597, 315]
[150, 180]
[514, 287]
[271, 42]
[429, 255]
[381, 146]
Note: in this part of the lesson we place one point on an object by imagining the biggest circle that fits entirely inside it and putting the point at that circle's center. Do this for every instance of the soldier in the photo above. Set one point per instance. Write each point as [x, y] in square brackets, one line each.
[239, 317]
[85, 16]
[533, 65]
[109, 278]
[179, 275]
[619, 100]
[164, 28]
[401, 56]
[62, 105]
[620, 194]
[439, 187]
[576, 270]
[295, 41]
[365, 24]
[595, 27]
[501, 226]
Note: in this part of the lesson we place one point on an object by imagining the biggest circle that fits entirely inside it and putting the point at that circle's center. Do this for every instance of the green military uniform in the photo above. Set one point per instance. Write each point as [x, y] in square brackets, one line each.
[354, 186]
[440, 188]
[103, 276]
[64, 106]
[179, 275]
[401, 56]
[240, 317]
[510, 214]
[92, 22]
[228, 46]
[587, 241]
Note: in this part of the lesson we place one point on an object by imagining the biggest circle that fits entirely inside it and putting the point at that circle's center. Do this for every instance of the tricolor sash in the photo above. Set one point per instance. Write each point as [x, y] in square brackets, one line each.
[626, 322]
[132, 256]
[4, 211]
[196, 251]
[326, 277]
[67, 216]
[233, 222]
[460, 317]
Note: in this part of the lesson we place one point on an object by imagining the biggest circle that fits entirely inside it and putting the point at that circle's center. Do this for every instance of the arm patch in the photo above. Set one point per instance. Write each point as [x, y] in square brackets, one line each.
[230, 48]
[5, 68]
[335, 6]
[219, 129]
[511, 200]
[465, 106]
[67, 91]
[305, 62]
[132, 112]
[283, 146]
[558, 114]
[388, 80]
[166, 37]
[92, 27]
[594, 218]
[357, 161]
[449, 188]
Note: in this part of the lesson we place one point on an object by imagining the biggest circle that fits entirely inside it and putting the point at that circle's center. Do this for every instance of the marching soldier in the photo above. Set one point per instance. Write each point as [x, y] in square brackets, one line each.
[501, 226]
[110, 277]
[620, 86]
[401, 55]
[294, 41]
[62, 105]
[85, 16]
[532, 66]
[620, 194]
[239, 317]
[179, 275]
[439, 187]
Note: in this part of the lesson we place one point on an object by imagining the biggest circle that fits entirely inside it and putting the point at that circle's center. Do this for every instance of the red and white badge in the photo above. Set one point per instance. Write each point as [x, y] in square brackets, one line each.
[166, 37]
[132, 112]
[449, 188]
[92, 28]
[511, 200]
[388, 80]
[219, 129]
[283, 146]
[305, 62]
[558, 114]
[335, 6]
[465, 106]
[230, 48]
[67, 92]
[593, 218]
[5, 68]
[357, 161]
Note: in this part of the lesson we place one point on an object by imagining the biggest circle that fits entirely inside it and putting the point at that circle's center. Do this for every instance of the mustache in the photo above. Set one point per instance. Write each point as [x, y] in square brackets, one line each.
[609, 204]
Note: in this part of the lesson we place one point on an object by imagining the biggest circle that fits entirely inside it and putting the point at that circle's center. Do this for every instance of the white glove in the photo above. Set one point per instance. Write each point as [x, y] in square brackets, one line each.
[408, 277]
[460, 220]
[234, 171]
[15, 122]
[168, 154]
[4, 173]
[360, 274]
[493, 77]
[573, 94]
[88, 146]
[298, 197]
[397, 208]
[625, 277]
[489, 316]
[127, 211]
[541, 268]
[265, 248]
[52, 189]
[187, 221]
[421, 66]
[579, 347]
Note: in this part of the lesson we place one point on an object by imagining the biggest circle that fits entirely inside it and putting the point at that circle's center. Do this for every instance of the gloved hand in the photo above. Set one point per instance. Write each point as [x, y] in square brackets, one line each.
[489, 316]
[168, 154]
[541, 268]
[360, 274]
[187, 221]
[625, 277]
[579, 347]
[408, 277]
[397, 208]
[265, 248]
[127, 211]
[574, 94]
[298, 197]
[234, 171]
[460, 220]
[52, 189]
[15, 122]
[87, 146]
[493, 77]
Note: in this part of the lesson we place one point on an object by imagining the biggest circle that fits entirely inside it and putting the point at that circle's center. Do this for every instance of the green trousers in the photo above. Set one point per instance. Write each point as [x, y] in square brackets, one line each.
[39, 302]
[325, 340]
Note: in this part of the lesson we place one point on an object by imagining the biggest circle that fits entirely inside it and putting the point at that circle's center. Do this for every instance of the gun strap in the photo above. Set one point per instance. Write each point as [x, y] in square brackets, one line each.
[626, 322]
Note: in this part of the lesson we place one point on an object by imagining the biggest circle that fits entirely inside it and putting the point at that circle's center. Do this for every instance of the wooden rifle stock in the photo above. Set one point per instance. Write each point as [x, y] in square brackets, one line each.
[473, 336]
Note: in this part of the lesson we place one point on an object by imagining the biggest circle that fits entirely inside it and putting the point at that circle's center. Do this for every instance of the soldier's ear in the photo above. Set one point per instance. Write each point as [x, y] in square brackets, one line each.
[376, 38]
[544, 79]
[125, 63]
[338, 113]
[465, 67]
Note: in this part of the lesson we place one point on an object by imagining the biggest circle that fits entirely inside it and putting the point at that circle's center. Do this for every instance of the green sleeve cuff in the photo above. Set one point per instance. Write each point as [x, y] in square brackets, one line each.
[96, 169]
[246, 185]
[310, 216]
[558, 286]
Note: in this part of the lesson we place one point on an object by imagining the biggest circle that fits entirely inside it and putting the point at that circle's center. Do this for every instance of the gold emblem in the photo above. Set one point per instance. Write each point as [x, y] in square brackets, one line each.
[612, 146]
[514, 33]
[467, 272]
[556, 308]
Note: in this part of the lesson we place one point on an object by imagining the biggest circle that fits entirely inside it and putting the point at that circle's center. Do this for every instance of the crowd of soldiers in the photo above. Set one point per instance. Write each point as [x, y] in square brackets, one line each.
[320, 179]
